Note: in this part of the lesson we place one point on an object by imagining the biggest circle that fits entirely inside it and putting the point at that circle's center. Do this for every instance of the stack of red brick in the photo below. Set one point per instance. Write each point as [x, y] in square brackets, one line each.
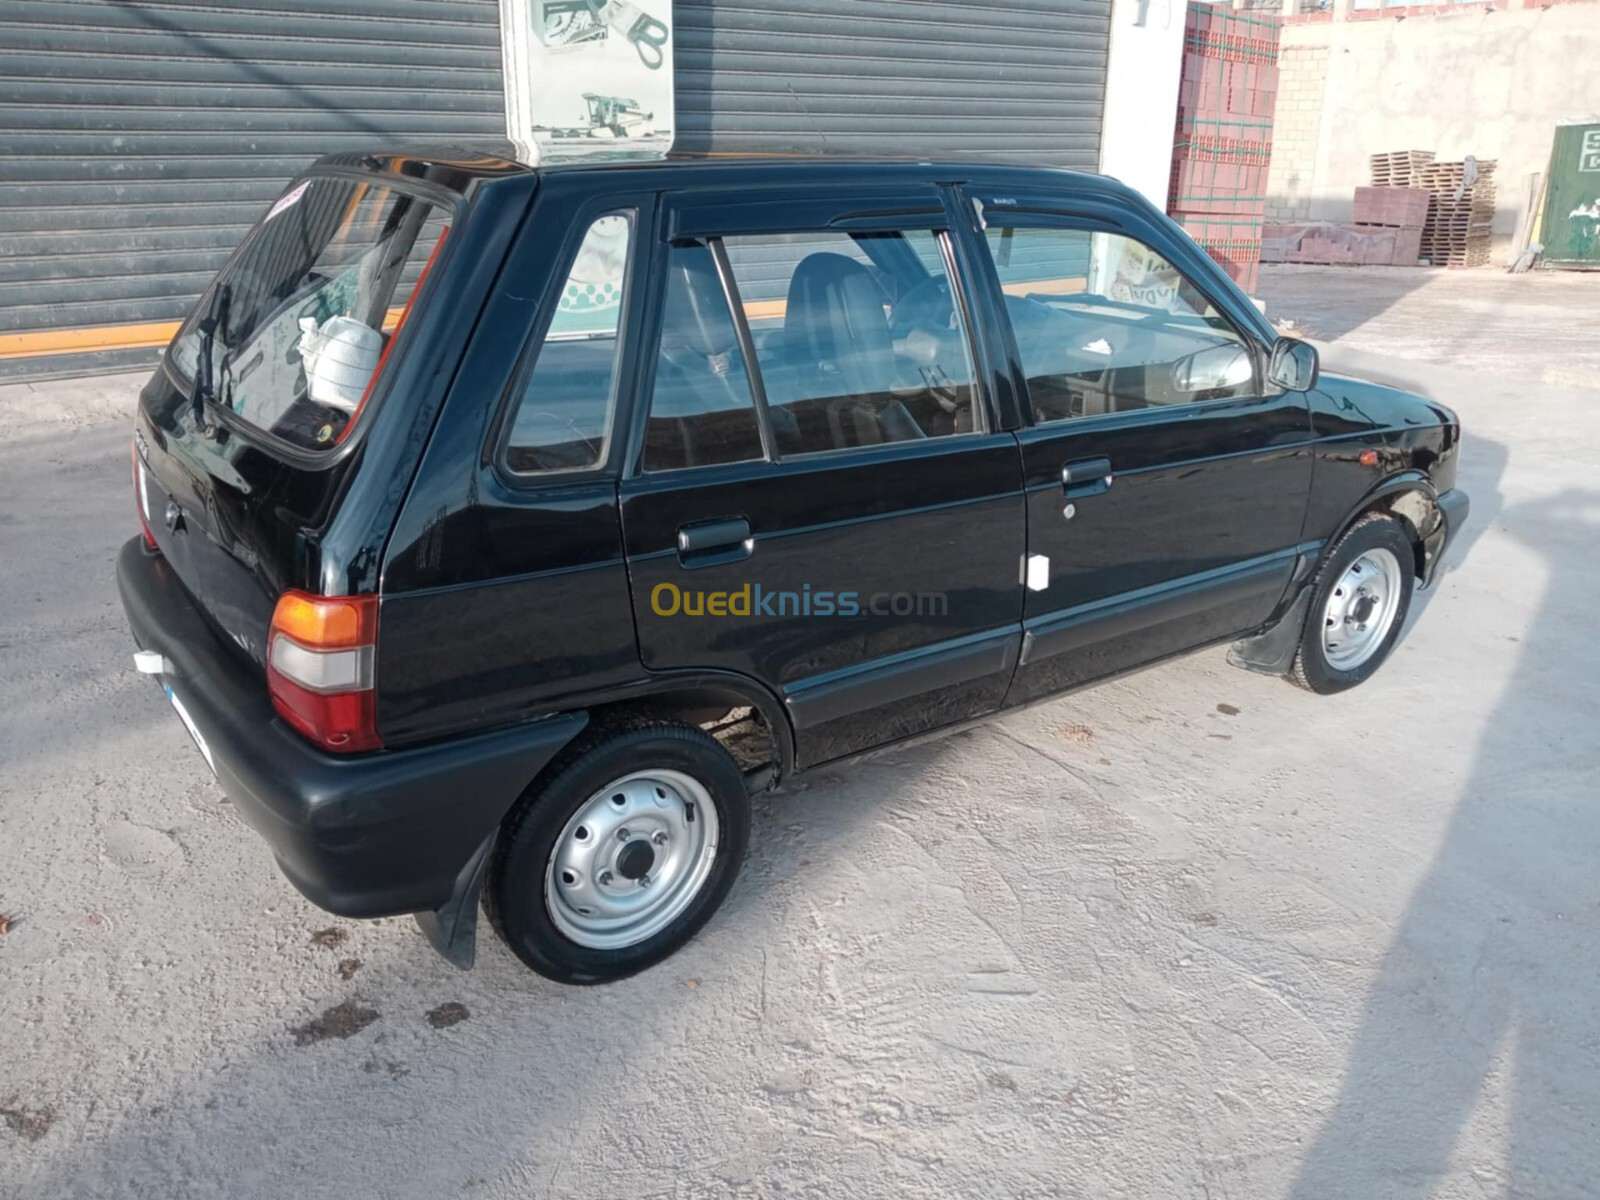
[1387, 232]
[1223, 140]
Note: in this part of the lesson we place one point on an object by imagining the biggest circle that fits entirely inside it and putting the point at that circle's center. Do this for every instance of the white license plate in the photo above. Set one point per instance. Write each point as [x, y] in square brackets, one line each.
[188, 723]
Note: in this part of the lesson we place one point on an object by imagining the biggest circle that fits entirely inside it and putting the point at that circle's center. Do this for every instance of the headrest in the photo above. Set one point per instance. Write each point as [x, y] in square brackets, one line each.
[834, 322]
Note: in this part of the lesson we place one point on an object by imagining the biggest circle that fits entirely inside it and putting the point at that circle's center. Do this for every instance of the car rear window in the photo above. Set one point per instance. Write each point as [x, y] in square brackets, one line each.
[294, 330]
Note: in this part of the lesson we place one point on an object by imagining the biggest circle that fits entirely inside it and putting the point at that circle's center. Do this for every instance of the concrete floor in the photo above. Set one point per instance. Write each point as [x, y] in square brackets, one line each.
[1194, 933]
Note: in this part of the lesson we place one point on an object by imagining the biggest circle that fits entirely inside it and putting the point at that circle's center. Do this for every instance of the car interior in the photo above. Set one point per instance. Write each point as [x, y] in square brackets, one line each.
[859, 343]
[1103, 325]
[843, 363]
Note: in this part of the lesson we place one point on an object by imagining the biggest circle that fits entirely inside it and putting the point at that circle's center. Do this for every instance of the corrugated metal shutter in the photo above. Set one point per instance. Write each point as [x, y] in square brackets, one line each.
[138, 141]
[1016, 80]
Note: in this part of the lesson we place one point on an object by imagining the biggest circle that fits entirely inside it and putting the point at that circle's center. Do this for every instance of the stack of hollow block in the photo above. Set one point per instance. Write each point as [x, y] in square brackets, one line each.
[1397, 212]
[1412, 211]
[1223, 141]
[1329, 243]
[1387, 231]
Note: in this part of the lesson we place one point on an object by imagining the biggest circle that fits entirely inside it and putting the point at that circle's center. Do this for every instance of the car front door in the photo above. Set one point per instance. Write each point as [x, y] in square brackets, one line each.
[824, 498]
[1166, 484]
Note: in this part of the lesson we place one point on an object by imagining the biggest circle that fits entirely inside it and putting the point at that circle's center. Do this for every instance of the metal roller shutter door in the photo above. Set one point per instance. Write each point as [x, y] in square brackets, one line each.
[1016, 80]
[138, 141]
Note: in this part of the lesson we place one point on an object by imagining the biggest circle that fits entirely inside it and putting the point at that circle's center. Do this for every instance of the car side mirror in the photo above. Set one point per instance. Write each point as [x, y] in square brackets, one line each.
[1293, 365]
[1224, 366]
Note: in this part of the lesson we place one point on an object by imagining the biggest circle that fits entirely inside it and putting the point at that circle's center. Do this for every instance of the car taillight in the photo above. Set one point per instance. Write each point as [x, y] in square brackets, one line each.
[141, 498]
[320, 653]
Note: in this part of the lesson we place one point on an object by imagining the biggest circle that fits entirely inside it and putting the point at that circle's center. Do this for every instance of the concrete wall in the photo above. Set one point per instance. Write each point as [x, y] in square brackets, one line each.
[1141, 100]
[1479, 80]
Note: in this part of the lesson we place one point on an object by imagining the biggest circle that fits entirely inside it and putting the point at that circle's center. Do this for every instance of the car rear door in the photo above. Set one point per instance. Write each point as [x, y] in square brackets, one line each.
[823, 496]
[244, 450]
[1166, 486]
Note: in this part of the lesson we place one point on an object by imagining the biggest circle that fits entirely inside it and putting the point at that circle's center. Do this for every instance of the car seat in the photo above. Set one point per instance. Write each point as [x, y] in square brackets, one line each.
[837, 350]
[701, 410]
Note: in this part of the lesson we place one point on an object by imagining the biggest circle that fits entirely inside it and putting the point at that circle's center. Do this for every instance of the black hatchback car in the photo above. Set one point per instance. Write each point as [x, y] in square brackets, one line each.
[505, 529]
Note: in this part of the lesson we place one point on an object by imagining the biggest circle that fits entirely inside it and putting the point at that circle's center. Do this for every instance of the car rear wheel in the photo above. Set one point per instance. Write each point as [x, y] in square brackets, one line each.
[1359, 602]
[620, 852]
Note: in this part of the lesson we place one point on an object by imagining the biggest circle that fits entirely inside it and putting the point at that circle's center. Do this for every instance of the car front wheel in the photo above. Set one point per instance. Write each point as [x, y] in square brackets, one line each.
[620, 852]
[1359, 602]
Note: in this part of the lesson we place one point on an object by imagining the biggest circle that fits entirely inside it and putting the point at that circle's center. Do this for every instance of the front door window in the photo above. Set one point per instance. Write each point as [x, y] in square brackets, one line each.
[1105, 324]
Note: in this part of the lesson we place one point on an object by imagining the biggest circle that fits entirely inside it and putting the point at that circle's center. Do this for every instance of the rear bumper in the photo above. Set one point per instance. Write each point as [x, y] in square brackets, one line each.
[362, 836]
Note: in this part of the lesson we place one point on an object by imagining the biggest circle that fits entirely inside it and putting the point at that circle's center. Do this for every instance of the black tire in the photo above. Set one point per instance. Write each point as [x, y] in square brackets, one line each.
[1312, 668]
[514, 895]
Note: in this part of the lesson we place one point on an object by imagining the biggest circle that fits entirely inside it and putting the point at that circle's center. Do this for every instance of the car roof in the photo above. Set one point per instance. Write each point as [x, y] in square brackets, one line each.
[693, 169]
[463, 169]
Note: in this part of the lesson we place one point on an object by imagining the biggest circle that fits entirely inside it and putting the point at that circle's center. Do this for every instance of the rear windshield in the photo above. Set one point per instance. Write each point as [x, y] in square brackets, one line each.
[295, 328]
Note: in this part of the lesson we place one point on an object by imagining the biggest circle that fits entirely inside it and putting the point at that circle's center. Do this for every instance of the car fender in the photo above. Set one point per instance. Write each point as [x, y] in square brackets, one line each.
[1410, 496]
[751, 691]
[451, 928]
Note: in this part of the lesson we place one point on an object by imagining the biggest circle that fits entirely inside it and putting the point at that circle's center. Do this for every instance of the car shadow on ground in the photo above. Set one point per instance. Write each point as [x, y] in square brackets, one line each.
[1328, 302]
[1489, 980]
[495, 1072]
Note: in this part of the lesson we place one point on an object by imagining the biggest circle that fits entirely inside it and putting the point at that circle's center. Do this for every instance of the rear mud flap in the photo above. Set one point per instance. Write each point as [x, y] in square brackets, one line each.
[452, 928]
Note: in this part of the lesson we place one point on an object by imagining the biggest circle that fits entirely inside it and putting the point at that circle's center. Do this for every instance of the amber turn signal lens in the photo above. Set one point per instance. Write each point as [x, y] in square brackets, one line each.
[326, 622]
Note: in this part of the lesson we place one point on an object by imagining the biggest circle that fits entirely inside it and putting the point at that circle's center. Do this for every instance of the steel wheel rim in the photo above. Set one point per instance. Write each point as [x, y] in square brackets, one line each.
[1361, 609]
[631, 860]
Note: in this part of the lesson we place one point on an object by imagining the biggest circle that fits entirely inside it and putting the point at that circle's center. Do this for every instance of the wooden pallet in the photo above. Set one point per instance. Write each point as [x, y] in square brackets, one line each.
[1398, 168]
[1457, 231]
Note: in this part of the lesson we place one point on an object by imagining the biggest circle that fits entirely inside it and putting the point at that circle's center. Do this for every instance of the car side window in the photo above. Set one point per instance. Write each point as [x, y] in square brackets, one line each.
[859, 338]
[563, 417]
[1105, 324]
[702, 410]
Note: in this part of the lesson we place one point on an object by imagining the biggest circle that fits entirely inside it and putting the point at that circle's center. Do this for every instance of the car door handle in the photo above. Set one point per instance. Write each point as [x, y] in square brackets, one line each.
[708, 543]
[1087, 477]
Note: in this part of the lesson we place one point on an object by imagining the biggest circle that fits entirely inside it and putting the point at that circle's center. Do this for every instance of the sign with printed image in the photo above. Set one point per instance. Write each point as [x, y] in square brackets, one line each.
[1589, 151]
[590, 304]
[1132, 273]
[590, 77]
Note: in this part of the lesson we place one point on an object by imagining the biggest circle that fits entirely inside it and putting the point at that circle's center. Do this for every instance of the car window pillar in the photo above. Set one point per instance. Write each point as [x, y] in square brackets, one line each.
[747, 346]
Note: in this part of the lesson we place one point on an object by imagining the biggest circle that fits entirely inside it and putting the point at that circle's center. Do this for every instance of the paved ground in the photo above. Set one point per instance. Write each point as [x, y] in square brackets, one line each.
[1192, 934]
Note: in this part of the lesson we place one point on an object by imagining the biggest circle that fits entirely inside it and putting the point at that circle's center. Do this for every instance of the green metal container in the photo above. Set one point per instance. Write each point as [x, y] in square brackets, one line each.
[1571, 231]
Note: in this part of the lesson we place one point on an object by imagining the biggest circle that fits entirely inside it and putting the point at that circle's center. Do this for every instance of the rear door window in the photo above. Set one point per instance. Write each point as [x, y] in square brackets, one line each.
[858, 337]
[838, 340]
[702, 410]
[295, 329]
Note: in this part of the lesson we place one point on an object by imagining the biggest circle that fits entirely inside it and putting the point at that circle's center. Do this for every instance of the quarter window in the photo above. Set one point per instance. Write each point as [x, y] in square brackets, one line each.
[562, 420]
[1105, 324]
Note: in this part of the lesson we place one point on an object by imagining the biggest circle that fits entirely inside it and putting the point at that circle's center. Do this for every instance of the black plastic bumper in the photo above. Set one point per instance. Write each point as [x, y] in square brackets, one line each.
[363, 836]
[1454, 505]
